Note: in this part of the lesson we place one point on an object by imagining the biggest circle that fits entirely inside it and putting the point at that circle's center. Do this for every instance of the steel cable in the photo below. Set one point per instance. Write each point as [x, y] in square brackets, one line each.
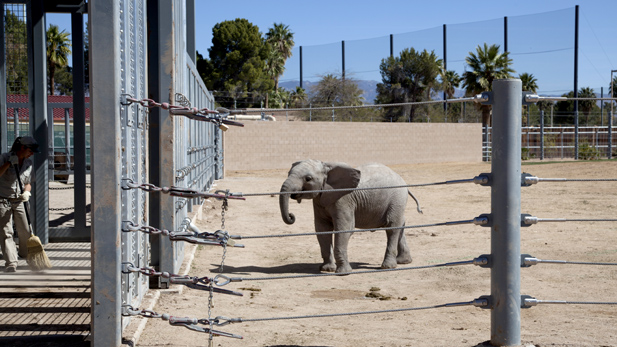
[477, 261]
[478, 179]
[477, 221]
[477, 302]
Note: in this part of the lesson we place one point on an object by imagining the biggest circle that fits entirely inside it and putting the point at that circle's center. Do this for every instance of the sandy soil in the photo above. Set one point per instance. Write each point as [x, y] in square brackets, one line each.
[543, 325]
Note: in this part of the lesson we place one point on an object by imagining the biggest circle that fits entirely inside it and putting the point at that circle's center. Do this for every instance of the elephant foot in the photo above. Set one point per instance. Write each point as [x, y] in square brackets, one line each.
[404, 259]
[327, 267]
[341, 269]
[388, 264]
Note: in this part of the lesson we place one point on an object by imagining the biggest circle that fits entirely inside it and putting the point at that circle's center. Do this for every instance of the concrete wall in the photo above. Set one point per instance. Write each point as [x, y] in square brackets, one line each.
[276, 145]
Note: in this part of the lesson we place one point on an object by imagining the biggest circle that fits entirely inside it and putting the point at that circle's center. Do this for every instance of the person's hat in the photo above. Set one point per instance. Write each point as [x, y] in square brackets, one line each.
[29, 142]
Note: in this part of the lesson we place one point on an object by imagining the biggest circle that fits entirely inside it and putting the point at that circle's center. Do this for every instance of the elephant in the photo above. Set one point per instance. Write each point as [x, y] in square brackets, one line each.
[349, 209]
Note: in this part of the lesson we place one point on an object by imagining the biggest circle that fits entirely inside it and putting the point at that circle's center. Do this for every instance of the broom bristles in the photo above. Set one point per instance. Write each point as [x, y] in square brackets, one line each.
[37, 259]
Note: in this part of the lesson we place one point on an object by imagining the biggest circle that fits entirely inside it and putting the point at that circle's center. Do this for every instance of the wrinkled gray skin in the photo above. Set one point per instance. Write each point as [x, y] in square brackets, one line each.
[365, 209]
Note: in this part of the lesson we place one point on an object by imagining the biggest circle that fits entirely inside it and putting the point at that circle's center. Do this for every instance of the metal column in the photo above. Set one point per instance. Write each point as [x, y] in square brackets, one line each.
[106, 176]
[506, 213]
[37, 90]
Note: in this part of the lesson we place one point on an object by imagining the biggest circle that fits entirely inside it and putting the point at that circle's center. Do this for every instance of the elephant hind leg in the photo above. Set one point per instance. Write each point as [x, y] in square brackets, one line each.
[404, 254]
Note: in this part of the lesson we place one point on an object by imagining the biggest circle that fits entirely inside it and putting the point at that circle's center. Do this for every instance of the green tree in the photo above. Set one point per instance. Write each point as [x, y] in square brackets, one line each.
[16, 50]
[450, 80]
[335, 90]
[408, 78]
[64, 81]
[612, 89]
[298, 97]
[486, 65]
[280, 38]
[274, 67]
[237, 63]
[530, 83]
[586, 106]
[58, 50]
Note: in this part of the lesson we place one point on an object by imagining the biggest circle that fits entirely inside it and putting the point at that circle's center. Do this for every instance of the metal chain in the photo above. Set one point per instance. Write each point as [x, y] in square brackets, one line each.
[174, 191]
[189, 112]
[62, 209]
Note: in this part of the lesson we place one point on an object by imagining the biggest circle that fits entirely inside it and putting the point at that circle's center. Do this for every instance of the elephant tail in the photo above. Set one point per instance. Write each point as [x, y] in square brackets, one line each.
[416, 200]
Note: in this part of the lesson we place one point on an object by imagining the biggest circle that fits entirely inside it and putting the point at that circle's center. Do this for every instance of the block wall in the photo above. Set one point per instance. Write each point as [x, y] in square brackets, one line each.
[263, 145]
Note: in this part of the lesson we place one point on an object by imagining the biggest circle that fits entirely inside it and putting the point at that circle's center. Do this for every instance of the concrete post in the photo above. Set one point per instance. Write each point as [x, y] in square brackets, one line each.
[506, 213]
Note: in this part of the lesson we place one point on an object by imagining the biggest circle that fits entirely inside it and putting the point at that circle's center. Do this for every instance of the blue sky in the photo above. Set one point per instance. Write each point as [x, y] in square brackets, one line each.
[320, 26]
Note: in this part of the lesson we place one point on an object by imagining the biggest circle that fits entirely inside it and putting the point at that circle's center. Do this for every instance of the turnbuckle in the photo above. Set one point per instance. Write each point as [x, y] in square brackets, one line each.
[218, 238]
[193, 324]
[202, 283]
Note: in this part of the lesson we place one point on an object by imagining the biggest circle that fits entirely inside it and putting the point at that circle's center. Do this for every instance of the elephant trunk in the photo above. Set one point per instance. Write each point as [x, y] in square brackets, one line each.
[288, 218]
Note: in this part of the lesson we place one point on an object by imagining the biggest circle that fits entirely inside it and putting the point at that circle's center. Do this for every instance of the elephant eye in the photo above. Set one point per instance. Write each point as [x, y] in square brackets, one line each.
[308, 178]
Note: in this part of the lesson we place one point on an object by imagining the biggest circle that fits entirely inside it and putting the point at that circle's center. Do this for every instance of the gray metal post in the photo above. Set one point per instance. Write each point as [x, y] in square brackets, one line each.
[37, 90]
[300, 70]
[506, 213]
[343, 58]
[106, 161]
[67, 138]
[81, 232]
[3, 110]
[542, 135]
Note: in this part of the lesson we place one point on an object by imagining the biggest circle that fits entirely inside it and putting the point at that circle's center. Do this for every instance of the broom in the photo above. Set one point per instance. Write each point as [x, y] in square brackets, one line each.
[36, 259]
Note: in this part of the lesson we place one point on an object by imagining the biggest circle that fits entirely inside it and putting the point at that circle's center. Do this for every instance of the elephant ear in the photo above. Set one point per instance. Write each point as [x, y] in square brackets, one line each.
[338, 176]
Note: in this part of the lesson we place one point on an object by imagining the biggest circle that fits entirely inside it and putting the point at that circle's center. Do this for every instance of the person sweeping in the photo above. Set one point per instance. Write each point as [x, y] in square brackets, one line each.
[15, 176]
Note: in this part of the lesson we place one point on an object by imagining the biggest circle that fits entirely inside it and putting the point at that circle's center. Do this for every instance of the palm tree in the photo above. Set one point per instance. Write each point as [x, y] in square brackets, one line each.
[298, 97]
[281, 40]
[486, 65]
[612, 88]
[450, 80]
[586, 106]
[530, 83]
[58, 50]
[275, 65]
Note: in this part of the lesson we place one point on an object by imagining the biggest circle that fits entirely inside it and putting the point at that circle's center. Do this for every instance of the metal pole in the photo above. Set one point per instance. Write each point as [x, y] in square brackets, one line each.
[506, 213]
[601, 106]
[576, 82]
[67, 138]
[391, 45]
[542, 135]
[343, 57]
[505, 34]
[106, 143]
[445, 68]
[300, 67]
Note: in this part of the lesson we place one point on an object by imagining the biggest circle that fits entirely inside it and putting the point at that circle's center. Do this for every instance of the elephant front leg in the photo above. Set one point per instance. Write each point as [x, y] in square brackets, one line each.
[340, 252]
[325, 244]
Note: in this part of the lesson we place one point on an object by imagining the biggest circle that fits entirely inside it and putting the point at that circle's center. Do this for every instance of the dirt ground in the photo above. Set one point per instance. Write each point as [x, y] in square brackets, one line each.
[264, 299]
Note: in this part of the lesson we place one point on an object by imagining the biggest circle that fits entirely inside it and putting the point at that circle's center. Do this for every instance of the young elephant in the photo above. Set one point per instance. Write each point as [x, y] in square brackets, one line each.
[346, 210]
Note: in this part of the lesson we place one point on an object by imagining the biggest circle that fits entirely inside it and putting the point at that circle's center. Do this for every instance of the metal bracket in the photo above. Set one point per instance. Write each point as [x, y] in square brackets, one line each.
[485, 98]
[484, 179]
[528, 179]
[489, 301]
[523, 222]
[528, 301]
[527, 264]
[525, 98]
[489, 262]
[486, 216]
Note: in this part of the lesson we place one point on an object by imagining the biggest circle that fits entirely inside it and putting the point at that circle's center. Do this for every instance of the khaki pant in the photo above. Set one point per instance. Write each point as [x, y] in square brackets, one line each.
[16, 210]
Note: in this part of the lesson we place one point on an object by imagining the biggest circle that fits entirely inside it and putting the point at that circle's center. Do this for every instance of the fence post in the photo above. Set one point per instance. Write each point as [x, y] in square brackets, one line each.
[506, 213]
[541, 134]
